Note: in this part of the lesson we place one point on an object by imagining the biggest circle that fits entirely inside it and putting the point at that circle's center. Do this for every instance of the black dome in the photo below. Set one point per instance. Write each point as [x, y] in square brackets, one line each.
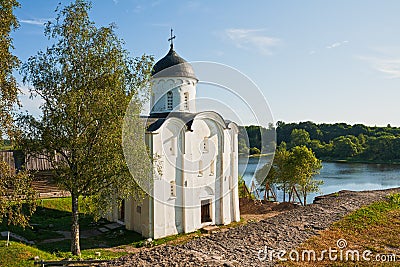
[181, 67]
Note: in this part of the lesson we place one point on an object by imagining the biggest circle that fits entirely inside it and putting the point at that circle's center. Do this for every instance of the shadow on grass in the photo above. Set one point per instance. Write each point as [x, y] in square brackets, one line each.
[50, 223]
[114, 238]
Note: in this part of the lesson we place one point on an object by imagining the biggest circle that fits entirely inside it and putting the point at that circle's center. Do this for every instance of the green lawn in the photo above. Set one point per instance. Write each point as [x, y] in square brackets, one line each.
[50, 216]
[54, 215]
[20, 255]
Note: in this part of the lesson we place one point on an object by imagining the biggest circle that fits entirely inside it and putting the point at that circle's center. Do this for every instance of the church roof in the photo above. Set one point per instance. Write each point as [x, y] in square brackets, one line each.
[172, 65]
[155, 121]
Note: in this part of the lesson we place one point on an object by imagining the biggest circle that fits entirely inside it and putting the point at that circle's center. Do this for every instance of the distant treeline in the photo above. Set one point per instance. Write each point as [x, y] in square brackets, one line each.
[339, 141]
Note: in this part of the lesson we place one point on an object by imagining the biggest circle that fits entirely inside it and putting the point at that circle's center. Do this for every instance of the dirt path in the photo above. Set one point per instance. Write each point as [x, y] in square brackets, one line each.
[240, 246]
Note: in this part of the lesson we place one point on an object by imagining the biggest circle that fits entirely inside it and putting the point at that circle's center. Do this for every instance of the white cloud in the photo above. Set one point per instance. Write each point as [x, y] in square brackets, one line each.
[386, 65]
[115, 1]
[337, 44]
[252, 39]
[38, 22]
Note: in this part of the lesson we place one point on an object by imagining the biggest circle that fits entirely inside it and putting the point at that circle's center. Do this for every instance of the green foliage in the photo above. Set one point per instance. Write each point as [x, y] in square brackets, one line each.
[294, 168]
[8, 63]
[266, 174]
[241, 184]
[54, 215]
[346, 146]
[17, 197]
[282, 169]
[257, 137]
[305, 166]
[15, 189]
[242, 147]
[299, 137]
[254, 151]
[342, 141]
[394, 200]
[86, 80]
[50, 215]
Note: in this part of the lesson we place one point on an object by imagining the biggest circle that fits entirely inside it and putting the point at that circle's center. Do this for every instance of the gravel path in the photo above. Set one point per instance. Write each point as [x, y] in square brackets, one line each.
[239, 246]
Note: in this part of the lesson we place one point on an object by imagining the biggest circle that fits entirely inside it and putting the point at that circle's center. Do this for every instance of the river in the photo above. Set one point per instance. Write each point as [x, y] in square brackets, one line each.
[337, 176]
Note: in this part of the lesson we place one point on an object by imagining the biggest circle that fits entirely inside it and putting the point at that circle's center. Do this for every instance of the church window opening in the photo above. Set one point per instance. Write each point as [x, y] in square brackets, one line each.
[139, 209]
[212, 167]
[200, 168]
[169, 100]
[173, 188]
[186, 101]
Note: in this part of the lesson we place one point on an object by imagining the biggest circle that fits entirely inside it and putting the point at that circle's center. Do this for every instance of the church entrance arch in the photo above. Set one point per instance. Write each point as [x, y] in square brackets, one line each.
[206, 211]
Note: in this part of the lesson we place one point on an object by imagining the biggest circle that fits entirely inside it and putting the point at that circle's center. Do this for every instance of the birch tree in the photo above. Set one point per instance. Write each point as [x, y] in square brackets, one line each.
[15, 188]
[86, 79]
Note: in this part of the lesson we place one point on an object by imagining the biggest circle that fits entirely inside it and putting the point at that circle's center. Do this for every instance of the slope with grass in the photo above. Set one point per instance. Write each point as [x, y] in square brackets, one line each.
[372, 231]
[17, 254]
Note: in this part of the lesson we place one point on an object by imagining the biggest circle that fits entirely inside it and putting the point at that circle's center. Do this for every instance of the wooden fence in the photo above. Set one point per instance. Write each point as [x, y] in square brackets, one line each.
[16, 160]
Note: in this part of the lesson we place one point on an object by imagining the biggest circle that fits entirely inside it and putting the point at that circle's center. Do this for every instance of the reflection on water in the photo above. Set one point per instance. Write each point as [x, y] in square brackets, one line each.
[338, 176]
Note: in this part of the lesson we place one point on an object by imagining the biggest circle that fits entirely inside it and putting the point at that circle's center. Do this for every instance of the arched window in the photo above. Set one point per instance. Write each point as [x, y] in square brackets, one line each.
[169, 100]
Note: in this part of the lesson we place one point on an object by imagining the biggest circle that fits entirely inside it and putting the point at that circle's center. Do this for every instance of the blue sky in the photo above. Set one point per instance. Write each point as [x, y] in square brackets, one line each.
[324, 61]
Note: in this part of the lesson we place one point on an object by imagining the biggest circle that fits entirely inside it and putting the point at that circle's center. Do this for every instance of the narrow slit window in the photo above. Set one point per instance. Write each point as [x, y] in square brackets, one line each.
[186, 101]
[172, 147]
[204, 145]
[212, 168]
[170, 100]
[200, 168]
[173, 188]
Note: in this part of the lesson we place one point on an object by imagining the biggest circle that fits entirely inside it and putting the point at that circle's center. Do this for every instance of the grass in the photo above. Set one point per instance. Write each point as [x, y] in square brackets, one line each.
[375, 228]
[55, 215]
[21, 255]
[51, 216]
[373, 214]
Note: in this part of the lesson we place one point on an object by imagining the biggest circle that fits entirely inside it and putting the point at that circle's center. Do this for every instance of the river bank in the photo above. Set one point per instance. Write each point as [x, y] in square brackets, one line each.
[332, 160]
[361, 161]
[240, 246]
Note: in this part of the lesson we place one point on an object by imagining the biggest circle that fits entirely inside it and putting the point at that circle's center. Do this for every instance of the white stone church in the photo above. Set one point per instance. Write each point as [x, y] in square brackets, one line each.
[198, 157]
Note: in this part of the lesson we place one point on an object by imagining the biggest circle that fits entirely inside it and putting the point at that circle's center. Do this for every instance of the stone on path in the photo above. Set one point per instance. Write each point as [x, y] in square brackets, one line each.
[17, 237]
[210, 229]
[104, 230]
[113, 226]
